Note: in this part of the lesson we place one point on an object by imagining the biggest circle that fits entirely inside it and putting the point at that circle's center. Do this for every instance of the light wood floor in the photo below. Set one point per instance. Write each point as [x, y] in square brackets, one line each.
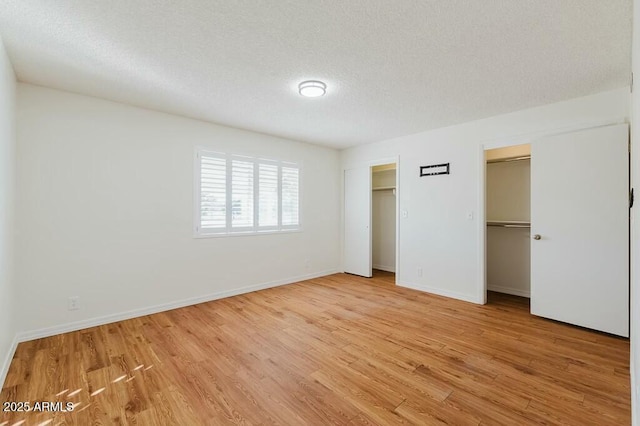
[334, 350]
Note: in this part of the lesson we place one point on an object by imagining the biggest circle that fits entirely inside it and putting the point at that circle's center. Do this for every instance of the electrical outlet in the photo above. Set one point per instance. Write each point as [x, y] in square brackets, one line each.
[419, 271]
[73, 303]
[307, 264]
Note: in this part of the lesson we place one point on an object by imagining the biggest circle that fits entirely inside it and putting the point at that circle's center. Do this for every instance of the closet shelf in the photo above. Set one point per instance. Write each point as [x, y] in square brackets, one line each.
[509, 223]
[383, 188]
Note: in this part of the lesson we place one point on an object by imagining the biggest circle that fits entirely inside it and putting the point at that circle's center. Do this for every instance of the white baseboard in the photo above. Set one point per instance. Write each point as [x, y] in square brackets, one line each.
[7, 360]
[634, 392]
[509, 290]
[107, 319]
[385, 268]
[440, 292]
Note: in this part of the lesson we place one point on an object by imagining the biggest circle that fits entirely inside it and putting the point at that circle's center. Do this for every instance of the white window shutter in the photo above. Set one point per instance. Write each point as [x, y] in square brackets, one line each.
[213, 192]
[268, 198]
[290, 196]
[242, 194]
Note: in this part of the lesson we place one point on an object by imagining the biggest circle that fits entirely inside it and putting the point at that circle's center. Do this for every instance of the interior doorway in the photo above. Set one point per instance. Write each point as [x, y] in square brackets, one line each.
[383, 217]
[371, 218]
[578, 228]
[508, 221]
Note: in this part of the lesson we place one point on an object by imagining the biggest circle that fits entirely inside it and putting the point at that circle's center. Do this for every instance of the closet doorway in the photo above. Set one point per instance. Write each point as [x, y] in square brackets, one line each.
[370, 218]
[576, 218]
[508, 213]
[383, 217]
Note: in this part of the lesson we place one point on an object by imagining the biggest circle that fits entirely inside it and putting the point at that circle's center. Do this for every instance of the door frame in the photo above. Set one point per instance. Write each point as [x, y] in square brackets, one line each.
[481, 229]
[370, 164]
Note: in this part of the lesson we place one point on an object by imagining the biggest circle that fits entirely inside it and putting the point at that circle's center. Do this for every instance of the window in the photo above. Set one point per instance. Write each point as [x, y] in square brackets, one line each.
[240, 195]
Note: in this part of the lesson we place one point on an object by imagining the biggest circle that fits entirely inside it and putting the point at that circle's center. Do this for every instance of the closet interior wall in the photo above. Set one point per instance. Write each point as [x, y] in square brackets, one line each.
[508, 200]
[383, 205]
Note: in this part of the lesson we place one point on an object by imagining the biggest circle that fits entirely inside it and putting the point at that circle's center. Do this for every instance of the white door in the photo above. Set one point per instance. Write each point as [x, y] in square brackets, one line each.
[579, 210]
[357, 221]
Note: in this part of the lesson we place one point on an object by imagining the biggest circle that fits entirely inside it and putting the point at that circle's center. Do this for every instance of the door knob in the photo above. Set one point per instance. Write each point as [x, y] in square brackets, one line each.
[537, 237]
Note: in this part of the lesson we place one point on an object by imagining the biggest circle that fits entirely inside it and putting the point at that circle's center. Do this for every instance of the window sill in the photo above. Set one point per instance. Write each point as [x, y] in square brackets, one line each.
[247, 233]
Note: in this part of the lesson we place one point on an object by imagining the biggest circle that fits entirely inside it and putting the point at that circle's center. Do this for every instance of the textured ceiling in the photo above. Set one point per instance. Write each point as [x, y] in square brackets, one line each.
[392, 67]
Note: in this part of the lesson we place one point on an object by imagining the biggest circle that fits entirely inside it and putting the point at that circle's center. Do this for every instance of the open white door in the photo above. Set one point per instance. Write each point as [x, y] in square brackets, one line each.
[357, 221]
[580, 229]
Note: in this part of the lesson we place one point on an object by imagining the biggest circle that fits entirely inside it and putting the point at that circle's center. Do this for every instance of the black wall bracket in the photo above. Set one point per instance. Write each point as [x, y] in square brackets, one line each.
[435, 169]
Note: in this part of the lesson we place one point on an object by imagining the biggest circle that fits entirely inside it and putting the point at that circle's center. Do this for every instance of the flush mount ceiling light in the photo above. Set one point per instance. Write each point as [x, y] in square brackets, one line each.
[312, 88]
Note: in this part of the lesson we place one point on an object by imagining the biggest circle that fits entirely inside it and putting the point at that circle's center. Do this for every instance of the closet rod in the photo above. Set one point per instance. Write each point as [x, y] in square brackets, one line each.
[506, 224]
[504, 160]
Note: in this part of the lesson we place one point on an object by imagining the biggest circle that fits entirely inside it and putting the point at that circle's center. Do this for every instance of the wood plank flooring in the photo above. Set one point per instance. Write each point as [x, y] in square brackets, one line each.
[335, 350]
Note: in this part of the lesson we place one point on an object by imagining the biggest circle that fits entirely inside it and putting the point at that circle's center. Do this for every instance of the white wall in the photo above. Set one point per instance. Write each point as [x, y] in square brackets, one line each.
[635, 223]
[437, 235]
[7, 146]
[105, 208]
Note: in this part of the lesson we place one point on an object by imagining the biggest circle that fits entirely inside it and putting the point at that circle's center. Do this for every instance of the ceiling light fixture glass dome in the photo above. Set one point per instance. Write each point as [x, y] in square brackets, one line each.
[312, 88]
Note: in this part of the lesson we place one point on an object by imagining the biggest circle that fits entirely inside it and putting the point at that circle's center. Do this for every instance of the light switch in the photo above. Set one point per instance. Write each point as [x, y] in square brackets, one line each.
[405, 214]
[469, 215]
